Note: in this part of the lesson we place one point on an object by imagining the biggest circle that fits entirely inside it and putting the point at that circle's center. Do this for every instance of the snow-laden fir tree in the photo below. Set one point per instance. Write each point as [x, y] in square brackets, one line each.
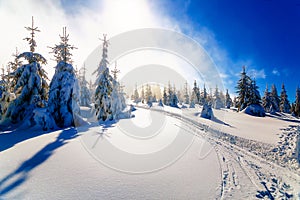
[173, 98]
[296, 106]
[64, 87]
[11, 68]
[222, 97]
[109, 97]
[104, 87]
[266, 100]
[148, 95]
[165, 96]
[143, 95]
[228, 100]
[196, 93]
[3, 91]
[179, 96]
[186, 93]
[170, 94]
[217, 101]
[275, 100]
[118, 103]
[285, 106]
[203, 97]
[253, 105]
[85, 95]
[254, 96]
[243, 91]
[31, 88]
[6, 96]
[136, 96]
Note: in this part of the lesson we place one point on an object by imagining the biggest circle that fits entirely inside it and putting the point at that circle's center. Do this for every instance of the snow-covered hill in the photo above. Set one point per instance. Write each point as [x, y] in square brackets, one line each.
[177, 155]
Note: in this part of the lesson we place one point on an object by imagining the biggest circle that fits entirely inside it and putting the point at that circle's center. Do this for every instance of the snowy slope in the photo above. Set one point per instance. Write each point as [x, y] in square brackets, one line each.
[263, 129]
[64, 165]
[159, 154]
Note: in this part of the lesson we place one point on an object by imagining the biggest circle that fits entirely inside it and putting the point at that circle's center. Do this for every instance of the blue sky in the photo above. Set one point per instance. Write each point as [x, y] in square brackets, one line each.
[262, 34]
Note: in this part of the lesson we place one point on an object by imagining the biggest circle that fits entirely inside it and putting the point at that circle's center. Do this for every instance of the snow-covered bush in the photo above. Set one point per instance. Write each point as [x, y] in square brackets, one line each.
[206, 112]
[255, 110]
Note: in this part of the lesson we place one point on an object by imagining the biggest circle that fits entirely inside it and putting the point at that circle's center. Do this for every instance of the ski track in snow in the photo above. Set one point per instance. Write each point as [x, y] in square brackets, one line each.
[245, 171]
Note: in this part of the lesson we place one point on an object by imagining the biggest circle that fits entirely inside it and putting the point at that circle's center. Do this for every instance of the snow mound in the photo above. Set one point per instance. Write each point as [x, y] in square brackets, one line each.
[255, 110]
[206, 112]
[160, 103]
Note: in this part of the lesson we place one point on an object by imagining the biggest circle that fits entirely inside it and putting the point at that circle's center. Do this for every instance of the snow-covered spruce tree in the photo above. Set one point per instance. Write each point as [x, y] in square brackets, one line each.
[165, 96]
[31, 88]
[64, 86]
[228, 100]
[85, 95]
[222, 97]
[104, 87]
[3, 91]
[196, 93]
[143, 95]
[203, 96]
[109, 98]
[148, 95]
[11, 69]
[6, 96]
[136, 97]
[254, 97]
[254, 108]
[285, 106]
[186, 96]
[170, 94]
[266, 100]
[275, 100]
[173, 98]
[243, 90]
[118, 103]
[179, 96]
[217, 102]
[296, 110]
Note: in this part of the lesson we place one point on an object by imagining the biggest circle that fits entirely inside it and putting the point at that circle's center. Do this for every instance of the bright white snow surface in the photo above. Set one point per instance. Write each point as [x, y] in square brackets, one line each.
[109, 162]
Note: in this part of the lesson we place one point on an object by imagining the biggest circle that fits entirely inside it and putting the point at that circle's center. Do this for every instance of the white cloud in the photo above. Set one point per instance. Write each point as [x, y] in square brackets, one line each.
[86, 23]
[275, 72]
[257, 73]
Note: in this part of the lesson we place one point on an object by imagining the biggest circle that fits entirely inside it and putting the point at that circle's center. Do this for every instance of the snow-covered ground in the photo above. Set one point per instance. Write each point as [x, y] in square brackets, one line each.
[67, 165]
[164, 153]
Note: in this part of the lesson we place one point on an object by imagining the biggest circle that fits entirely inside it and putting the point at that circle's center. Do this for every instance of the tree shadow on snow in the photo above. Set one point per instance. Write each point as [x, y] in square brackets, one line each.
[283, 117]
[9, 139]
[20, 175]
[214, 119]
[103, 127]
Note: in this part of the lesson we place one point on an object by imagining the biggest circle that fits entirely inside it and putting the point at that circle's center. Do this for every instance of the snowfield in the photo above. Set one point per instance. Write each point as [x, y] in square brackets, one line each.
[162, 153]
